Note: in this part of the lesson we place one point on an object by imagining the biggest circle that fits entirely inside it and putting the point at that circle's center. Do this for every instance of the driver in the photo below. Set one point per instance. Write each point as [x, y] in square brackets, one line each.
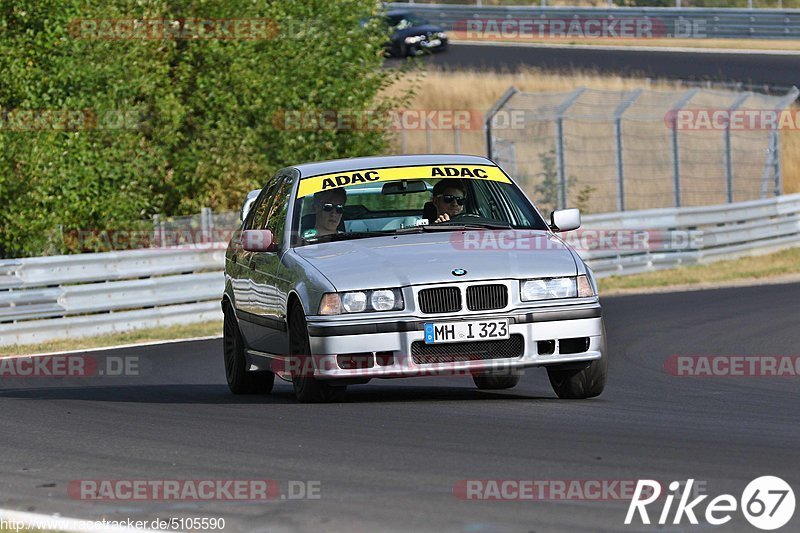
[328, 207]
[449, 198]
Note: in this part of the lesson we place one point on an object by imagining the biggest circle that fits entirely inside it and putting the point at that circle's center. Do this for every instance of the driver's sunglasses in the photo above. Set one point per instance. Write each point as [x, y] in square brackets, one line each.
[329, 207]
[449, 199]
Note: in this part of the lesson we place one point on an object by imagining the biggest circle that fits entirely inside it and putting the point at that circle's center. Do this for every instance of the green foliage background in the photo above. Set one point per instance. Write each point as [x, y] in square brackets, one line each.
[204, 132]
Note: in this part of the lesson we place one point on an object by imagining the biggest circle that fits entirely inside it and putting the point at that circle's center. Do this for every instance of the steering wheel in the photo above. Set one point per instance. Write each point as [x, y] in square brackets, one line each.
[462, 216]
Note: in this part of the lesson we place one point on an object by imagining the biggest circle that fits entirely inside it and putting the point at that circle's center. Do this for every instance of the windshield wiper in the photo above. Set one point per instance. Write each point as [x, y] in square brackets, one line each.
[347, 235]
[453, 226]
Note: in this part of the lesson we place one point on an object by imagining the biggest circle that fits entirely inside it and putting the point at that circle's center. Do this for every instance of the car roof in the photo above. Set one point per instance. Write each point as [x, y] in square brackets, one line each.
[364, 163]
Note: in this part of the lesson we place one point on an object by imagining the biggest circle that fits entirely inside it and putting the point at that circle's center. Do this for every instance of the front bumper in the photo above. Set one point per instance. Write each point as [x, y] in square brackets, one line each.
[392, 342]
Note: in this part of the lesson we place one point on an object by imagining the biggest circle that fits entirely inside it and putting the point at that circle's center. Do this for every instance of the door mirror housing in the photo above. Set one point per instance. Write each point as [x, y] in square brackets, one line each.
[565, 219]
[258, 240]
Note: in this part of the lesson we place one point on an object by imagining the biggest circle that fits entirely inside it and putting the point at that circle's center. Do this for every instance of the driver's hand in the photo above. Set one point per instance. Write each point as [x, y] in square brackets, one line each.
[442, 218]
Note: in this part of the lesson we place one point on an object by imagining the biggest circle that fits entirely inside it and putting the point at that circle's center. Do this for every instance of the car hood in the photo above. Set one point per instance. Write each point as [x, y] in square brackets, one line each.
[425, 258]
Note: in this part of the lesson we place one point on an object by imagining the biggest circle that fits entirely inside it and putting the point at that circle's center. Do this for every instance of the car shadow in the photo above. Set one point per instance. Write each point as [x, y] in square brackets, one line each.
[282, 393]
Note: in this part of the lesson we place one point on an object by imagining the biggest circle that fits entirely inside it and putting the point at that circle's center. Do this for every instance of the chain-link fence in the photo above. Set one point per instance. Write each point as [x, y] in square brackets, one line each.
[203, 228]
[606, 151]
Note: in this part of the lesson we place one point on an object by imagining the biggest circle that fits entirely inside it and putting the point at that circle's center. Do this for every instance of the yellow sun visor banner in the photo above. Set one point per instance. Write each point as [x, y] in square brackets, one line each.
[359, 177]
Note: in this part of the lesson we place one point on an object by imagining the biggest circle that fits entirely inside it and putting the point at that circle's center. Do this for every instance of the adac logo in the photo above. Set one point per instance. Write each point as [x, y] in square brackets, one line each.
[459, 271]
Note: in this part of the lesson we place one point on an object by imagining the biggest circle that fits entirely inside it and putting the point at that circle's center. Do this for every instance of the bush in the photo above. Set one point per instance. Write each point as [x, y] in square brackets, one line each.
[168, 125]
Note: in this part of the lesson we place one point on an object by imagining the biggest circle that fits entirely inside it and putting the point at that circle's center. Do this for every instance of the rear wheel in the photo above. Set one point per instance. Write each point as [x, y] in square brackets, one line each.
[240, 381]
[496, 381]
[307, 388]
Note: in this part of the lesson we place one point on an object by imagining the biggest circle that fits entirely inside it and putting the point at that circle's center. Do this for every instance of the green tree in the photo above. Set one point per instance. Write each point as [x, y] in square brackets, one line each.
[198, 116]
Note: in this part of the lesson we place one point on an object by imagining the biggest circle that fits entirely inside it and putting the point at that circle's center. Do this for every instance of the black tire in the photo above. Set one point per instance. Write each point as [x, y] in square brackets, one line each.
[240, 381]
[577, 383]
[307, 389]
[496, 381]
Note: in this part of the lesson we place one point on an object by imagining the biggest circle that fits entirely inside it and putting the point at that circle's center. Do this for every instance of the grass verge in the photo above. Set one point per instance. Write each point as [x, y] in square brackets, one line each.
[183, 331]
[754, 268]
[719, 44]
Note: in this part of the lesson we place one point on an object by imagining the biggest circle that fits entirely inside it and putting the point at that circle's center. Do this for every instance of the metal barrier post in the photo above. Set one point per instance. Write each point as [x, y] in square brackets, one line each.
[621, 108]
[562, 174]
[487, 124]
[676, 160]
[728, 158]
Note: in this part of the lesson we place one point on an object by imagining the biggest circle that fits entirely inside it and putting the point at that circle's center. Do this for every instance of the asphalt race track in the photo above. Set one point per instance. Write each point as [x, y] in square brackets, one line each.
[389, 457]
[749, 67]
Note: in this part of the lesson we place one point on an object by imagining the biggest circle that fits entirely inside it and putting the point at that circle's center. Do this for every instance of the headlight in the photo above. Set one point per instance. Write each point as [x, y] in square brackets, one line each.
[382, 300]
[415, 39]
[441, 35]
[545, 289]
[337, 303]
[354, 302]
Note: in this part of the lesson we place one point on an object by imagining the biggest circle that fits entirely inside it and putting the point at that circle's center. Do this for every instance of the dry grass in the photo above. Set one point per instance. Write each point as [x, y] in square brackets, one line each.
[475, 90]
[183, 331]
[754, 268]
[725, 44]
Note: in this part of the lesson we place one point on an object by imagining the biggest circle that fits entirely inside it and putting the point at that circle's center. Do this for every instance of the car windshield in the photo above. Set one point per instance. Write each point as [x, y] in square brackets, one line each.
[405, 20]
[401, 200]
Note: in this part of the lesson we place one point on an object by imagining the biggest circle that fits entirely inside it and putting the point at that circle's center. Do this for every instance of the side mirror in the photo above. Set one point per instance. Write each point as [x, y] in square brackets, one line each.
[257, 240]
[565, 219]
[248, 202]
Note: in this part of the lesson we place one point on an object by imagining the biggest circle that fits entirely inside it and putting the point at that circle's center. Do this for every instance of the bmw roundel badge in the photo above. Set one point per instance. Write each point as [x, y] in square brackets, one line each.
[459, 271]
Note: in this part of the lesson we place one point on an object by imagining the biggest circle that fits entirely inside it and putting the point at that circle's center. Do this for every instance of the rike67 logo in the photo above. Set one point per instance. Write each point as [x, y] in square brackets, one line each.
[767, 503]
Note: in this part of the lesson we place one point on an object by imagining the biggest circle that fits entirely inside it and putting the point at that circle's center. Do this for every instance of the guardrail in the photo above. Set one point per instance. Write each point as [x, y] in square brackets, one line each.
[46, 298]
[666, 21]
[693, 235]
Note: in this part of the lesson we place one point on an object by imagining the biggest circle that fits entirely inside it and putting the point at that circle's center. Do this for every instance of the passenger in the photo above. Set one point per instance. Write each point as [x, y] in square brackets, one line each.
[448, 198]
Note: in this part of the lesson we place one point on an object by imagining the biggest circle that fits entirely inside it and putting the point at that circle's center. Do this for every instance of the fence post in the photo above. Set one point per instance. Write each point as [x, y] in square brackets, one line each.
[774, 150]
[728, 158]
[205, 224]
[457, 139]
[562, 174]
[676, 160]
[621, 108]
[487, 123]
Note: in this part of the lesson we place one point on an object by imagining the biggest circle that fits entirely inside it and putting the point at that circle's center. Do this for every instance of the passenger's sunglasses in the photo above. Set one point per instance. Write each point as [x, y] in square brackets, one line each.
[449, 199]
[329, 207]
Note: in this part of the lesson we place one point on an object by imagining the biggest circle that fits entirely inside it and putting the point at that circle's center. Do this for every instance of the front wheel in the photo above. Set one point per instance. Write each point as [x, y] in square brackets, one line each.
[585, 381]
[308, 389]
[240, 381]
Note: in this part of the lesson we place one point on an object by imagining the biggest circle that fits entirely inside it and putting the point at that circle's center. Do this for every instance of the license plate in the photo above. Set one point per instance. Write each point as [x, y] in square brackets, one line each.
[432, 43]
[478, 330]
